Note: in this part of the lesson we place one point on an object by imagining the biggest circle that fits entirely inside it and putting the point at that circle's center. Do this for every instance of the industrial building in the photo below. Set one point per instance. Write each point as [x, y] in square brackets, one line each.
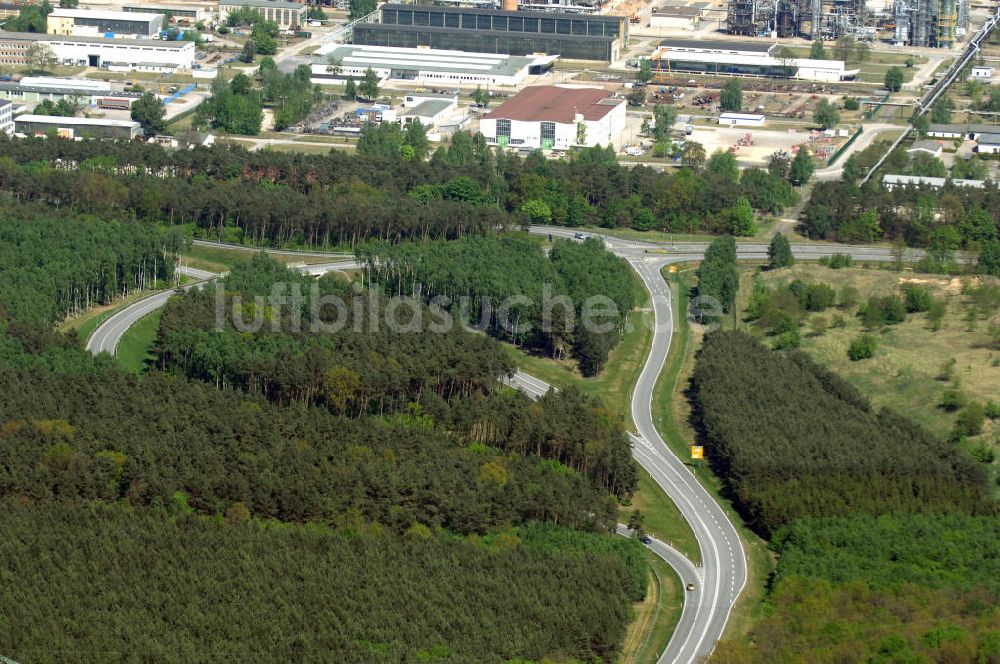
[6, 117]
[31, 90]
[988, 143]
[572, 36]
[742, 119]
[555, 117]
[891, 181]
[111, 54]
[179, 13]
[288, 15]
[430, 66]
[41, 125]
[982, 73]
[87, 23]
[676, 17]
[912, 22]
[961, 131]
[741, 58]
[931, 148]
[429, 108]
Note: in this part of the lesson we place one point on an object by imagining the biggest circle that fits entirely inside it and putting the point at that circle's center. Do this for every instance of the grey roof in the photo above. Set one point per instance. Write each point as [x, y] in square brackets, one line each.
[4, 102]
[718, 46]
[259, 4]
[72, 92]
[428, 108]
[594, 18]
[395, 27]
[503, 65]
[992, 139]
[929, 146]
[675, 10]
[937, 183]
[39, 36]
[963, 128]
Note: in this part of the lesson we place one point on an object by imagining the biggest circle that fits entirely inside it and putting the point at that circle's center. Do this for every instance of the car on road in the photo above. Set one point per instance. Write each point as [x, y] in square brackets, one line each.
[646, 539]
[580, 236]
[690, 586]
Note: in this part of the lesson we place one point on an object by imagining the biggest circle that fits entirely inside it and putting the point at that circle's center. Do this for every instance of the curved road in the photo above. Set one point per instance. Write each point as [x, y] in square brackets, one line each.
[106, 337]
[723, 574]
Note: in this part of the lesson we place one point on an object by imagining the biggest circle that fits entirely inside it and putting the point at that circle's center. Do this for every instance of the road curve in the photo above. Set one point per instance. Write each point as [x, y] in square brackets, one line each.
[106, 337]
[723, 574]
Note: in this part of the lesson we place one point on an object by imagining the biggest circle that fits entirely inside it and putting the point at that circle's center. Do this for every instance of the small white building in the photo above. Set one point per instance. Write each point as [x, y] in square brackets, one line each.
[988, 143]
[980, 73]
[932, 148]
[741, 119]
[431, 109]
[6, 117]
[556, 117]
[676, 17]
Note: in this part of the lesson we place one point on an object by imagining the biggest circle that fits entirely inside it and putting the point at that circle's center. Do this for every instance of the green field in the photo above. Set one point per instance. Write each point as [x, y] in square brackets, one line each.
[133, 349]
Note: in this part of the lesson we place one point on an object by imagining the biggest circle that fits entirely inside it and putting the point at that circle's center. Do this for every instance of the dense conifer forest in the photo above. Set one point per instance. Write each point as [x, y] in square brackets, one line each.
[378, 495]
[792, 440]
[893, 588]
[51, 268]
[574, 301]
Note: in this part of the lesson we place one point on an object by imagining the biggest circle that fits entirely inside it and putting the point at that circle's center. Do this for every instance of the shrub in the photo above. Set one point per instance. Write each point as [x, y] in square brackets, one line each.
[970, 421]
[819, 297]
[837, 261]
[862, 347]
[918, 299]
[953, 399]
[848, 297]
[993, 410]
[788, 340]
[851, 104]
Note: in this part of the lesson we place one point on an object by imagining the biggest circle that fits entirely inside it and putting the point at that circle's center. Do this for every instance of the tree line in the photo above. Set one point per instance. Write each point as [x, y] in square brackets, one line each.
[278, 198]
[791, 440]
[942, 221]
[507, 286]
[52, 268]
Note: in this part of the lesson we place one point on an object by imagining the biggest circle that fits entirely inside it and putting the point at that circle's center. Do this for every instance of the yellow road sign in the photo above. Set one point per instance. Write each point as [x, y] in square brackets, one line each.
[697, 452]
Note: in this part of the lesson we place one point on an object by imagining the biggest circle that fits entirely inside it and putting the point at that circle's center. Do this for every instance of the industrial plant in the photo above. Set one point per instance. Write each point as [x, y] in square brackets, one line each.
[939, 23]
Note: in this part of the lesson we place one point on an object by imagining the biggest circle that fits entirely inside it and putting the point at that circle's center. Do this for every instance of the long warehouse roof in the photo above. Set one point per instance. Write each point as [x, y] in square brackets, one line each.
[89, 122]
[431, 59]
[148, 43]
[59, 12]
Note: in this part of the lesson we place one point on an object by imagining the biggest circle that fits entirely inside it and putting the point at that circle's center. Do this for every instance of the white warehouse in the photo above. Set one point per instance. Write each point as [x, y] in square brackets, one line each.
[743, 58]
[112, 54]
[556, 117]
[429, 66]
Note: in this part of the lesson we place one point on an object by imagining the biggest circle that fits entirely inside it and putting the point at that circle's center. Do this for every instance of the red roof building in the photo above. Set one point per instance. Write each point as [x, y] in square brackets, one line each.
[556, 117]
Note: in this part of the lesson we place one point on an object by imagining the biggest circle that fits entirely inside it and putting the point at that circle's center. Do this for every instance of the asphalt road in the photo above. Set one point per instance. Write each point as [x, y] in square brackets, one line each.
[108, 335]
[723, 573]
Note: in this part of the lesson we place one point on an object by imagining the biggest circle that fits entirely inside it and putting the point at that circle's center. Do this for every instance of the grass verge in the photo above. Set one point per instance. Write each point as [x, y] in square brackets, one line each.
[133, 349]
[655, 617]
[671, 411]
